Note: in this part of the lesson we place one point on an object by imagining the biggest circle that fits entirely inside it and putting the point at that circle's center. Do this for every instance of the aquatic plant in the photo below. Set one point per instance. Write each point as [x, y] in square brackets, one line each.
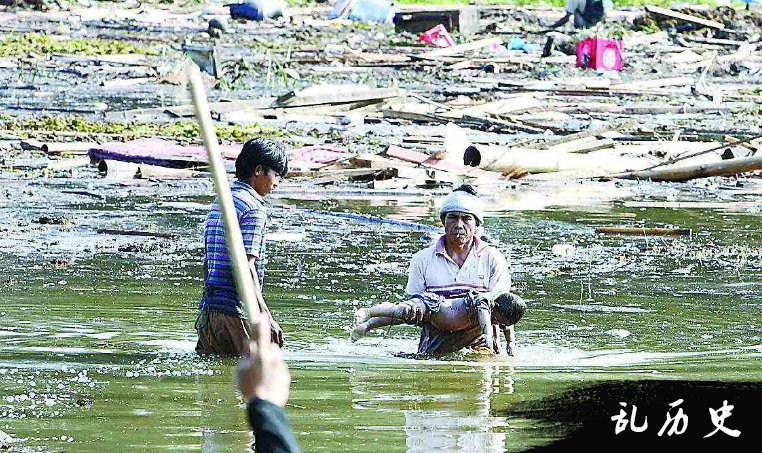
[131, 130]
[15, 44]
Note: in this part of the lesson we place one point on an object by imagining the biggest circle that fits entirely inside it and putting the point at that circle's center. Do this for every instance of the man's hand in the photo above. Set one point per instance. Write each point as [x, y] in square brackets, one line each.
[264, 374]
[276, 333]
[413, 311]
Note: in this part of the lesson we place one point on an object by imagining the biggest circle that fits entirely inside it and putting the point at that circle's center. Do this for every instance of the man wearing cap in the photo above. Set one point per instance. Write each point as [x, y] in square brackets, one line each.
[458, 264]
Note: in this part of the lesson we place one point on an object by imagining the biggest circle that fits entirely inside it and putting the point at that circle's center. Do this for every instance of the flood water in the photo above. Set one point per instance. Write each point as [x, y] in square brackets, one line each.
[96, 330]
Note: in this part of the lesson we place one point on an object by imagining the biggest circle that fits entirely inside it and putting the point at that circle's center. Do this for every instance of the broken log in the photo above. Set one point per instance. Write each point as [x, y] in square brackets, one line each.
[728, 167]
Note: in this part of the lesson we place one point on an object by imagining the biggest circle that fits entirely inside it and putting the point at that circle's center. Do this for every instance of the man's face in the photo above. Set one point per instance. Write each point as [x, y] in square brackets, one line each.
[264, 180]
[459, 227]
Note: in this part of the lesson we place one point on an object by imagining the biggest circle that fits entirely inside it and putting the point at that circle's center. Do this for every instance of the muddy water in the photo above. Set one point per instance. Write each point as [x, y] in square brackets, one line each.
[96, 330]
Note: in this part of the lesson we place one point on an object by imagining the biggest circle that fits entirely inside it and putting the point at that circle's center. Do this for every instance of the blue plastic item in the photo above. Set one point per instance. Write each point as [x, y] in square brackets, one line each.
[257, 9]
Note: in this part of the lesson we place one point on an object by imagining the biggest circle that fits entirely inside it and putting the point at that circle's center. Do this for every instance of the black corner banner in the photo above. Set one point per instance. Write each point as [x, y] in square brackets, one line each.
[660, 414]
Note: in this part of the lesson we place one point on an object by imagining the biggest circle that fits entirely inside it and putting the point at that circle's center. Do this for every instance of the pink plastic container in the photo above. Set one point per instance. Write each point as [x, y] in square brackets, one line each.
[600, 53]
[437, 36]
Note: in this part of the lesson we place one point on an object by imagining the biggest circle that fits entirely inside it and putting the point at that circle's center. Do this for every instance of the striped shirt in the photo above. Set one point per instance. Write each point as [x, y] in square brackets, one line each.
[432, 270]
[252, 217]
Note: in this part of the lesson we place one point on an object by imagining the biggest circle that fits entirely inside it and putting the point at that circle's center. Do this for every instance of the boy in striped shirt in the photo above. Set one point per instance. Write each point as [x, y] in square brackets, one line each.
[221, 322]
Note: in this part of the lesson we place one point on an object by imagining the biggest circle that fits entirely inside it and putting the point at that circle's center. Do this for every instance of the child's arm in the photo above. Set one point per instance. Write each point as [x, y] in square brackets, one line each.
[484, 316]
[510, 340]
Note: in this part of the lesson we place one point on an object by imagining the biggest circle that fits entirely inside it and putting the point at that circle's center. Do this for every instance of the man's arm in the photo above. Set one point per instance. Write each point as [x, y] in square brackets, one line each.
[561, 21]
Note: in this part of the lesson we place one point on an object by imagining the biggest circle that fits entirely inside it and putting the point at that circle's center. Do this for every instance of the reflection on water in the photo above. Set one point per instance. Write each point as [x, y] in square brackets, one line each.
[469, 431]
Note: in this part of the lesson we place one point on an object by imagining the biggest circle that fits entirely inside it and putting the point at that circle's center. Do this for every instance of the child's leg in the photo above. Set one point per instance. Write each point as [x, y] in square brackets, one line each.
[373, 323]
[402, 311]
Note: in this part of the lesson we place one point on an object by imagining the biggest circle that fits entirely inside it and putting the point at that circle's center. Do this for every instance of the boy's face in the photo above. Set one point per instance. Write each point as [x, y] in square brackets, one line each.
[264, 180]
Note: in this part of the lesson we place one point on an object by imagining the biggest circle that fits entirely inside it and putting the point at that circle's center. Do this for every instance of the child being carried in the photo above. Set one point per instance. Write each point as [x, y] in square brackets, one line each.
[475, 309]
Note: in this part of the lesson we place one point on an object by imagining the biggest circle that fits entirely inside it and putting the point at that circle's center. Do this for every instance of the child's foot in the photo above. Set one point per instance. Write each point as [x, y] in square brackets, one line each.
[358, 332]
[361, 315]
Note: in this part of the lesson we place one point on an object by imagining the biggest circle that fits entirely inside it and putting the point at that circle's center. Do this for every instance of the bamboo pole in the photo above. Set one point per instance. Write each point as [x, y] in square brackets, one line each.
[248, 290]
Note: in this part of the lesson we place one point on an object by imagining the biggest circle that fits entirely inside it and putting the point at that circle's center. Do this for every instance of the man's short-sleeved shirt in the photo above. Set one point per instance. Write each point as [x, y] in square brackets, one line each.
[252, 217]
[432, 270]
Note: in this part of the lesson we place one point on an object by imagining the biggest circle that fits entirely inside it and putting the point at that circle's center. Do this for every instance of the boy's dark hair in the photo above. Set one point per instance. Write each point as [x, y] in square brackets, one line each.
[260, 151]
[466, 188]
[511, 306]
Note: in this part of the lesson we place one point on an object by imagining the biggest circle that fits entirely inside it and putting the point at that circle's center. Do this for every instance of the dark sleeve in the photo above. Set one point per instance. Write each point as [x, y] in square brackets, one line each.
[272, 432]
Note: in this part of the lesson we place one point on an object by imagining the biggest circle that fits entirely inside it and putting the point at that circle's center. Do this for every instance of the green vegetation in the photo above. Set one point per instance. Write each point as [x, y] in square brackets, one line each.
[132, 130]
[16, 44]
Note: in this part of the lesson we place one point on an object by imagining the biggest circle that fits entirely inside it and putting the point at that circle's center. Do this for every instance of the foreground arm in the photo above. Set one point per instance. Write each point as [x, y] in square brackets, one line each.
[264, 380]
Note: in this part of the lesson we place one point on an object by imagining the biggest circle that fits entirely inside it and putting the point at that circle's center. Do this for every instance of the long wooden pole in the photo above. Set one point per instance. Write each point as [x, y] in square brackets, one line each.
[241, 272]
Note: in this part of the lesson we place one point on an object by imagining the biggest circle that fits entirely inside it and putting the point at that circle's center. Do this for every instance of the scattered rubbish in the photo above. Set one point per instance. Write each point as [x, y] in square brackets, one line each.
[158, 152]
[643, 231]
[464, 20]
[600, 53]
[564, 250]
[408, 226]
[437, 36]
[204, 56]
[621, 333]
[517, 43]
[257, 10]
[53, 220]
[380, 11]
[136, 233]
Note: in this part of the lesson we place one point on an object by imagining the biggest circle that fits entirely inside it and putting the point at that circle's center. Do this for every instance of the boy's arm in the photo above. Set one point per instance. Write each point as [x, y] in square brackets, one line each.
[277, 332]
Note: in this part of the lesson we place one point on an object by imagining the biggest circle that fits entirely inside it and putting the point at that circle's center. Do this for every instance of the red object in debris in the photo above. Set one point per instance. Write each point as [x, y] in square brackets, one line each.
[437, 36]
[600, 53]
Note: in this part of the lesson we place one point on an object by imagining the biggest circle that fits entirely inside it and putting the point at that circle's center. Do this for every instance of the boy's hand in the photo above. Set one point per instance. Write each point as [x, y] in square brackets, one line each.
[276, 333]
[264, 374]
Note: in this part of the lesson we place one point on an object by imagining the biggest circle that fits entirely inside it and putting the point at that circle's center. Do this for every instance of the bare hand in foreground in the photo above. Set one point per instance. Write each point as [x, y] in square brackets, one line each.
[264, 374]
[276, 332]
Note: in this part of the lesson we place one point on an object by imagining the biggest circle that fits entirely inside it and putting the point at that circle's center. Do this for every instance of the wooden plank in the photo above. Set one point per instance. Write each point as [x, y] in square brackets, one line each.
[458, 49]
[329, 95]
[684, 17]
[583, 134]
